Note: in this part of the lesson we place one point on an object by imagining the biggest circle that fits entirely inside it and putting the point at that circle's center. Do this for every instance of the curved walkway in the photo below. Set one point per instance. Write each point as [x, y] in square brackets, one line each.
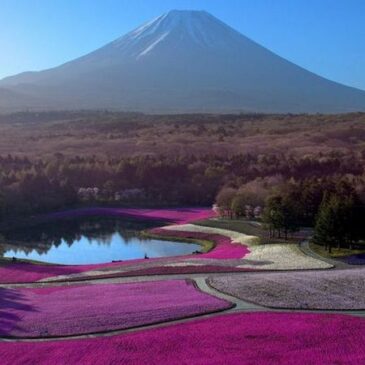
[337, 264]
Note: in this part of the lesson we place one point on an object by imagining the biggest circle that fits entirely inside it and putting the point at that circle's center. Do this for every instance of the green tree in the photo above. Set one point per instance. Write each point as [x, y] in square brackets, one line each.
[281, 214]
[224, 201]
[338, 221]
[291, 211]
[238, 205]
[273, 215]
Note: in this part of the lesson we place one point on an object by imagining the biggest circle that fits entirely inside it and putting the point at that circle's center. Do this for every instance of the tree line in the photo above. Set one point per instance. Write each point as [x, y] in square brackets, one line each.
[333, 206]
[30, 186]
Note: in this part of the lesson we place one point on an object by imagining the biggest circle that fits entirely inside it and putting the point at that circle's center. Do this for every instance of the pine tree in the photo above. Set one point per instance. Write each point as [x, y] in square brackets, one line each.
[282, 214]
[273, 215]
[337, 221]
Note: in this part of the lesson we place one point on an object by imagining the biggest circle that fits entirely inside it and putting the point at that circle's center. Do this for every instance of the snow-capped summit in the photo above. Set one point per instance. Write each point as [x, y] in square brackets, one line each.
[182, 61]
[199, 27]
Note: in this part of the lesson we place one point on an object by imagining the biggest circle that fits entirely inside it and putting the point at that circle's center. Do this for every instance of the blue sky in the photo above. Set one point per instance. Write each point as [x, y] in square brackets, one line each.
[324, 36]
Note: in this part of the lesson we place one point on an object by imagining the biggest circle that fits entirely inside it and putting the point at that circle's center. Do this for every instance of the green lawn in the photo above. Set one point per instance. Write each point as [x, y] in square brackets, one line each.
[244, 226]
[206, 245]
[336, 252]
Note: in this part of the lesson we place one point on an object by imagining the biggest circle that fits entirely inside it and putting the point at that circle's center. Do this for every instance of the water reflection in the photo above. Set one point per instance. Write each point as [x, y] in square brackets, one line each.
[88, 240]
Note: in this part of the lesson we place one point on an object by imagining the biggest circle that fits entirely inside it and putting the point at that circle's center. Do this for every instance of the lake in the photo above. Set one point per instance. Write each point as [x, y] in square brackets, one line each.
[89, 240]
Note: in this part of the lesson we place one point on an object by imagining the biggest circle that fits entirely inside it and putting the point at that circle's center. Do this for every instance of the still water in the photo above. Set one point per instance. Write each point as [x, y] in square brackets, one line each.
[88, 240]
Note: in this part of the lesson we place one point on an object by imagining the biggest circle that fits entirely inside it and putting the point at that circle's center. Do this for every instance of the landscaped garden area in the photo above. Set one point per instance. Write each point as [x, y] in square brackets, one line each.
[250, 338]
[143, 310]
[81, 309]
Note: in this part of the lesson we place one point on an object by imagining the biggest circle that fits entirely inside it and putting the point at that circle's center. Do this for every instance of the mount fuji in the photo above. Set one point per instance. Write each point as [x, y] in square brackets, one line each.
[182, 61]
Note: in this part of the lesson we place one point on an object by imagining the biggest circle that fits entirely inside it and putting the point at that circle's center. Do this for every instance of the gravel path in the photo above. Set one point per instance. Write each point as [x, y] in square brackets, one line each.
[304, 246]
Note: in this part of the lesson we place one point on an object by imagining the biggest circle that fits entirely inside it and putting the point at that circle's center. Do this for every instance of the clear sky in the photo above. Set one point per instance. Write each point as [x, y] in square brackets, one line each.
[324, 36]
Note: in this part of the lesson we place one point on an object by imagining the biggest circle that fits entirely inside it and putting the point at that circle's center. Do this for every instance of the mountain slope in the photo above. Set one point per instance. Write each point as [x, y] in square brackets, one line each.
[11, 100]
[185, 61]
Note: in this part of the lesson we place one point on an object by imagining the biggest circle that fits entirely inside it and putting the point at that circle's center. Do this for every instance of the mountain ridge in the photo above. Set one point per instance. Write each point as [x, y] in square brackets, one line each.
[184, 61]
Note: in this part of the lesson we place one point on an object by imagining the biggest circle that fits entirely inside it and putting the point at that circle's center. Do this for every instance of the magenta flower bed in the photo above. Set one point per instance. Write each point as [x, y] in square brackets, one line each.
[224, 248]
[254, 338]
[177, 215]
[80, 309]
[166, 270]
[22, 272]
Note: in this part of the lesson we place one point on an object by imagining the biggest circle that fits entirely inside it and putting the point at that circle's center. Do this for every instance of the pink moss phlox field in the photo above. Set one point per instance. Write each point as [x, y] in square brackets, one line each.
[166, 270]
[80, 309]
[234, 339]
[173, 215]
[224, 248]
[23, 272]
[321, 290]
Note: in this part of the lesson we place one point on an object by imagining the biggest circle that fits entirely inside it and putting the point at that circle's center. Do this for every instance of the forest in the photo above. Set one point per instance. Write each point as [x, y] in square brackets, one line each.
[296, 162]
